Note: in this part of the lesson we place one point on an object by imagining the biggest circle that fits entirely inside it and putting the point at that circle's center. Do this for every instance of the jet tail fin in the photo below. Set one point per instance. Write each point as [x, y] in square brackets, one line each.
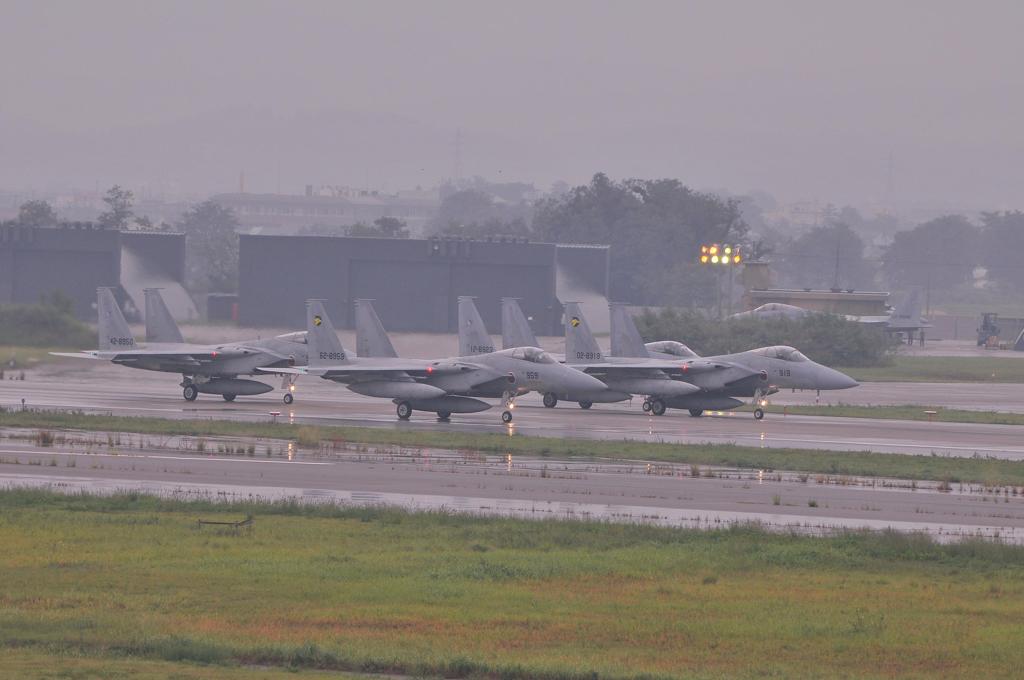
[160, 325]
[111, 328]
[580, 344]
[473, 336]
[325, 349]
[371, 338]
[515, 329]
[626, 340]
[909, 308]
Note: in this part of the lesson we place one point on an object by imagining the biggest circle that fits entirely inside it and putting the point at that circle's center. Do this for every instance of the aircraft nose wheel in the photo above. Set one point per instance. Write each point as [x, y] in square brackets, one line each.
[657, 407]
[288, 398]
[444, 416]
[190, 393]
[696, 412]
[404, 410]
[758, 414]
[228, 397]
[646, 406]
[586, 404]
[550, 400]
[506, 416]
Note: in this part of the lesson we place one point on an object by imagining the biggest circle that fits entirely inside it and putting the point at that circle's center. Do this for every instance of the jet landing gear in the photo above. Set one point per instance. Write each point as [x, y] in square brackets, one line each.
[404, 410]
[509, 400]
[288, 398]
[550, 400]
[654, 406]
[444, 416]
[228, 397]
[696, 412]
[190, 392]
[760, 401]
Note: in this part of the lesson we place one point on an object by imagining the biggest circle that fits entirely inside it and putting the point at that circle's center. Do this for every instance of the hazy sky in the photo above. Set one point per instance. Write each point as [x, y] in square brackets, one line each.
[801, 99]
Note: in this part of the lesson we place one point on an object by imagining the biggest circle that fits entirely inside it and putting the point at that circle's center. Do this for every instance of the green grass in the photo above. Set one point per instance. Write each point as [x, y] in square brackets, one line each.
[900, 412]
[131, 579]
[995, 369]
[25, 357]
[54, 661]
[988, 471]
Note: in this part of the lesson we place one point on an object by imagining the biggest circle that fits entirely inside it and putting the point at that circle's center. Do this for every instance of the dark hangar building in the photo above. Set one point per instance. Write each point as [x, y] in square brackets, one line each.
[415, 283]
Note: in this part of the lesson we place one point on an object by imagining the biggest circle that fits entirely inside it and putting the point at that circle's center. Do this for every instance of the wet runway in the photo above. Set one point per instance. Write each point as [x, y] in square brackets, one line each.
[675, 495]
[104, 388]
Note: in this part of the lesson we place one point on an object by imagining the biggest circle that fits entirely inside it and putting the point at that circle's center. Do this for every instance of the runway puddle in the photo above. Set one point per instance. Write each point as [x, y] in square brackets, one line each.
[524, 509]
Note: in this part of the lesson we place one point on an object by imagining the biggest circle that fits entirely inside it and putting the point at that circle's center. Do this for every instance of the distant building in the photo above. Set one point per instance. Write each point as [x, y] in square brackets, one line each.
[416, 282]
[77, 258]
[333, 207]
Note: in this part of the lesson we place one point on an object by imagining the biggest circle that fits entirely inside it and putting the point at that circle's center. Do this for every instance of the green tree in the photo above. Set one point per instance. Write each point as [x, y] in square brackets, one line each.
[939, 254]
[475, 213]
[655, 228]
[828, 256]
[826, 338]
[36, 214]
[211, 248]
[1004, 244]
[119, 208]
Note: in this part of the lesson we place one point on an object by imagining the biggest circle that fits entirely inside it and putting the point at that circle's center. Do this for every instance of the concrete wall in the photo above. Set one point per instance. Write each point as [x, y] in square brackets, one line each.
[75, 261]
[415, 282]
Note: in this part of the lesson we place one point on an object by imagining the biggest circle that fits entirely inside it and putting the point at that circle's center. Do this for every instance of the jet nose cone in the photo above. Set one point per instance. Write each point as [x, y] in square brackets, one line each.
[831, 379]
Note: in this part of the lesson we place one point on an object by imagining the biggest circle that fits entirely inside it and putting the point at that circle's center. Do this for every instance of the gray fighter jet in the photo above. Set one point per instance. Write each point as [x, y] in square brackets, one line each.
[655, 379]
[661, 380]
[444, 386]
[205, 369]
[473, 337]
[904, 317]
[778, 367]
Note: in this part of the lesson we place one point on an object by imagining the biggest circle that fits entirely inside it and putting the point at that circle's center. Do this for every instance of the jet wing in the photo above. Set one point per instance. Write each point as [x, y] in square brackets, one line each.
[420, 369]
[79, 355]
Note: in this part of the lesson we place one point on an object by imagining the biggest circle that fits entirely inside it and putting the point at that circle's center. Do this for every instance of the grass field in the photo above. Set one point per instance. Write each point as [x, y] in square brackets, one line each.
[943, 369]
[25, 357]
[130, 581]
[900, 412]
[988, 471]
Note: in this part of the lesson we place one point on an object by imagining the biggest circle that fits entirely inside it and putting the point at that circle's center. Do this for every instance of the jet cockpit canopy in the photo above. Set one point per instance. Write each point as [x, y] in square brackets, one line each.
[672, 347]
[532, 354]
[783, 352]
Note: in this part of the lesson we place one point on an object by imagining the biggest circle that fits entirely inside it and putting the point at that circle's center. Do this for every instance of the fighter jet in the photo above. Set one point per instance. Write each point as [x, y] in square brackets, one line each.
[473, 338]
[778, 367]
[662, 380]
[905, 317]
[205, 369]
[444, 386]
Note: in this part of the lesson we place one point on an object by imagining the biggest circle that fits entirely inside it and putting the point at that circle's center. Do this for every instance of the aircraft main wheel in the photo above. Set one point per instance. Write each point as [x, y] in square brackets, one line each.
[550, 400]
[288, 398]
[404, 410]
[190, 393]
[444, 416]
[506, 416]
[696, 412]
[657, 407]
[228, 397]
[758, 414]
[586, 404]
[646, 406]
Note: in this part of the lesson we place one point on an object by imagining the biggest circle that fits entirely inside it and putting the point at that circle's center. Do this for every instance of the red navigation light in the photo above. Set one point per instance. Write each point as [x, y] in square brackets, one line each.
[430, 369]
